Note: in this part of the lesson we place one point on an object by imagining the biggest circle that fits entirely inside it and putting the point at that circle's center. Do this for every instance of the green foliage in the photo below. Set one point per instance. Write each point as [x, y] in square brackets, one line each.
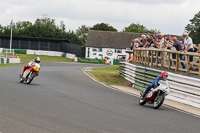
[137, 28]
[82, 33]
[42, 28]
[103, 27]
[194, 28]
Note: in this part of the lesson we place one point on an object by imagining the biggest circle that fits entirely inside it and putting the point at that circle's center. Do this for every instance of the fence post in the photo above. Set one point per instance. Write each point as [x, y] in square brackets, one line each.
[162, 58]
[199, 65]
[134, 56]
[148, 57]
[176, 69]
[156, 58]
[151, 58]
[188, 63]
[169, 64]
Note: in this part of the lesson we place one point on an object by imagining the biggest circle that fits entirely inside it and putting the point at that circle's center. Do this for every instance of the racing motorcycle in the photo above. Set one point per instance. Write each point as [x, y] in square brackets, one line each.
[156, 96]
[29, 74]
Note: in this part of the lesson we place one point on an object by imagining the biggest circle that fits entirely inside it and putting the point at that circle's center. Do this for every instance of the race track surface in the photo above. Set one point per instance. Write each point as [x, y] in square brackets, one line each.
[62, 99]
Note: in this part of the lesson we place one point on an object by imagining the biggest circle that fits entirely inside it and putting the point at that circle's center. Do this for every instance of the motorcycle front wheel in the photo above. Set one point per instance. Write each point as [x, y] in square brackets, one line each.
[159, 100]
[142, 100]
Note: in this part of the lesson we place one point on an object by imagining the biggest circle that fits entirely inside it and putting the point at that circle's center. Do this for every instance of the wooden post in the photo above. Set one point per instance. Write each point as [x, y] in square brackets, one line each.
[151, 58]
[199, 66]
[156, 58]
[162, 58]
[148, 57]
[176, 69]
[188, 63]
[134, 56]
[169, 60]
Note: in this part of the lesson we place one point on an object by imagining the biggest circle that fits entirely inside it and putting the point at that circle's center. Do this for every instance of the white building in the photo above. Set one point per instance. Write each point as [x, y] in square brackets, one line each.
[113, 45]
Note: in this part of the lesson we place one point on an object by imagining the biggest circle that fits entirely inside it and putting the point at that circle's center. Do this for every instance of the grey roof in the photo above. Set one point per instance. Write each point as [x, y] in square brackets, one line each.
[108, 39]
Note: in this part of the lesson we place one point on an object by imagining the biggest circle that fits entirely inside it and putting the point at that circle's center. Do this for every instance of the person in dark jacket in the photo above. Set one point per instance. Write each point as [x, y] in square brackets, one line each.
[155, 84]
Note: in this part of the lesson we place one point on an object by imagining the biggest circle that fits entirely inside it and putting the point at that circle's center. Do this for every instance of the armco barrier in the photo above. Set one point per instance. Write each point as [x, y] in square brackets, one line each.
[183, 89]
[48, 53]
[70, 56]
[9, 60]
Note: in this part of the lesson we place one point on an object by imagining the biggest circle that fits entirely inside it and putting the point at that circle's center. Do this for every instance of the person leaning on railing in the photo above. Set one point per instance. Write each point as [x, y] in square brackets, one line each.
[188, 47]
[177, 45]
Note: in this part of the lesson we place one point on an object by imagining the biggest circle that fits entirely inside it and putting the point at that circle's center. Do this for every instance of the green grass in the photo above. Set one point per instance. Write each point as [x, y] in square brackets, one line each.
[25, 57]
[109, 75]
[11, 64]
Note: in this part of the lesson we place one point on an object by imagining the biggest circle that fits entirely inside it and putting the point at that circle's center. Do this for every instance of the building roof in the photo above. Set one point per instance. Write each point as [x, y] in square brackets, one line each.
[109, 39]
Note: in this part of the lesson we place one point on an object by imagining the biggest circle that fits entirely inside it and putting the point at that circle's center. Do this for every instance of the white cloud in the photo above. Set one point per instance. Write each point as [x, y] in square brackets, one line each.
[170, 16]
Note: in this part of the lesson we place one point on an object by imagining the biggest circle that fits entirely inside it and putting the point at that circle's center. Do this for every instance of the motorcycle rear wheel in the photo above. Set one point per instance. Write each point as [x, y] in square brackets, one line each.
[30, 78]
[159, 101]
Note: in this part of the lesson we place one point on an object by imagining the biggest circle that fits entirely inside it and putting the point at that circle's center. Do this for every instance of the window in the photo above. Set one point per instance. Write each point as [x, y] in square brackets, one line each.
[97, 49]
[94, 53]
[118, 51]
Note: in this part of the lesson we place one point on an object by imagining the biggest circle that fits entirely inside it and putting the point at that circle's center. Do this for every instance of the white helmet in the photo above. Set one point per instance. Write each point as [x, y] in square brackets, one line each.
[37, 59]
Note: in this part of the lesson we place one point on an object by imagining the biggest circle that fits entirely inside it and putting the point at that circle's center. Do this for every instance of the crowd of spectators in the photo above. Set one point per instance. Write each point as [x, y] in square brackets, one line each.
[169, 42]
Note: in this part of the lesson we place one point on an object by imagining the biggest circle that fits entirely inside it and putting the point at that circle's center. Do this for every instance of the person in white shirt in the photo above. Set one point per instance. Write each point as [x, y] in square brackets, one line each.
[188, 47]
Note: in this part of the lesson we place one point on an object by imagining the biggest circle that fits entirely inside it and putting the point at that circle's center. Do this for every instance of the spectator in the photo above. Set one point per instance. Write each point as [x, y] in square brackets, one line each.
[130, 59]
[178, 47]
[137, 43]
[161, 43]
[132, 44]
[143, 41]
[149, 41]
[188, 47]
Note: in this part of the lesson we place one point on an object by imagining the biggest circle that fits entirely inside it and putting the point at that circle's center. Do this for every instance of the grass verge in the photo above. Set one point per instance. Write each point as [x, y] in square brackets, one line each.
[25, 57]
[109, 75]
[11, 64]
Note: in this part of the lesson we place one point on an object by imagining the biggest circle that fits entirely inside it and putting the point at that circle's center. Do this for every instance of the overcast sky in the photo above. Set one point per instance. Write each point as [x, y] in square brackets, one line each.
[168, 16]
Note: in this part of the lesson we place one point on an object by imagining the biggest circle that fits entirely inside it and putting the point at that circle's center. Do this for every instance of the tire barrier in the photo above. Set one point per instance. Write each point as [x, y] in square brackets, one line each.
[183, 89]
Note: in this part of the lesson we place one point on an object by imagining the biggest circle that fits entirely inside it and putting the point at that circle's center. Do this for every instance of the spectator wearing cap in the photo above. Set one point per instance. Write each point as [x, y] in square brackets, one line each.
[143, 41]
[188, 47]
[178, 47]
[160, 44]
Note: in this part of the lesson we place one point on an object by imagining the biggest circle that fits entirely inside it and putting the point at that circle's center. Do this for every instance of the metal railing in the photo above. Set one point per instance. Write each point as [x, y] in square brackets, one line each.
[168, 59]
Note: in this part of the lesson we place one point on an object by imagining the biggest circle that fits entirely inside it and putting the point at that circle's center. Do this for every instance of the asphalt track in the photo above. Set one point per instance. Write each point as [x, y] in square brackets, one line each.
[62, 99]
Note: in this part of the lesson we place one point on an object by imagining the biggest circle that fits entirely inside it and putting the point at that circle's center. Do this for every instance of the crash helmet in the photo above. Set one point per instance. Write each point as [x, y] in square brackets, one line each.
[37, 59]
[164, 73]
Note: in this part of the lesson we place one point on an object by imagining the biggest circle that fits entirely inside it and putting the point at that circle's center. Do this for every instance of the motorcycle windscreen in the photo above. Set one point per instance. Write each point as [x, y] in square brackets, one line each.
[26, 73]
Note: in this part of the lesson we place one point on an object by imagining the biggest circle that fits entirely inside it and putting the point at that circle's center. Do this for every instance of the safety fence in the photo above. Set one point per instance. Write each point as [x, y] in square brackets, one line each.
[183, 89]
[168, 59]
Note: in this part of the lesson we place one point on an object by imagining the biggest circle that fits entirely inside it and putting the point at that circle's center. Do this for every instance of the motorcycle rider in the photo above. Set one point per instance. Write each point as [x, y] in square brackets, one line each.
[155, 84]
[35, 62]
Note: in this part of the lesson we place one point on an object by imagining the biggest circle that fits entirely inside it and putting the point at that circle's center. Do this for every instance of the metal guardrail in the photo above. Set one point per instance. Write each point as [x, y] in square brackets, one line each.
[183, 89]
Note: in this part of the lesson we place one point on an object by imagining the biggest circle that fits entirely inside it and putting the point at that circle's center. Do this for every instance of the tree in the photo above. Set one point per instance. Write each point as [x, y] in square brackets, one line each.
[82, 32]
[103, 27]
[42, 28]
[137, 28]
[194, 28]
